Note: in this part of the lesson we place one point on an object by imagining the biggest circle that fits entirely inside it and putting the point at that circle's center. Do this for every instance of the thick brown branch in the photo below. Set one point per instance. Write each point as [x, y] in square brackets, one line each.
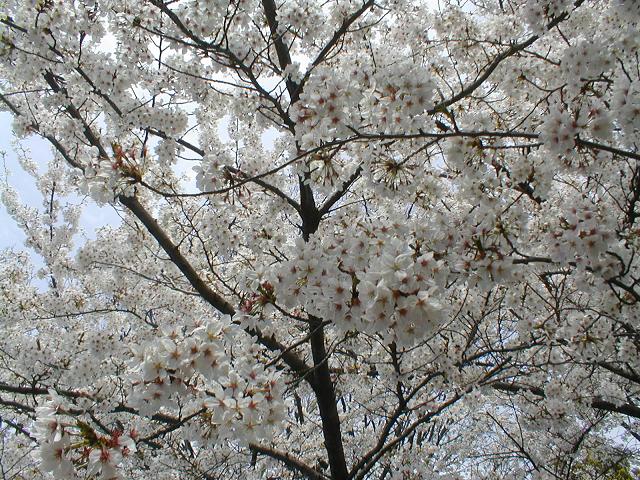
[91, 137]
[338, 194]
[17, 427]
[489, 69]
[5, 387]
[179, 141]
[289, 460]
[56, 144]
[599, 404]
[607, 148]
[620, 372]
[326, 398]
[207, 294]
[293, 361]
[17, 406]
[267, 186]
[214, 299]
[284, 57]
[338, 34]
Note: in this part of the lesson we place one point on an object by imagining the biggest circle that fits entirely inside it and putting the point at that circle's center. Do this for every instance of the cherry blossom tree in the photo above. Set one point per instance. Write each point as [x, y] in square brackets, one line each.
[390, 239]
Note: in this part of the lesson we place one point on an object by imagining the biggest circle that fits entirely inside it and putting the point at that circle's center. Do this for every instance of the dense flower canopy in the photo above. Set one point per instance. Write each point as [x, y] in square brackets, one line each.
[390, 239]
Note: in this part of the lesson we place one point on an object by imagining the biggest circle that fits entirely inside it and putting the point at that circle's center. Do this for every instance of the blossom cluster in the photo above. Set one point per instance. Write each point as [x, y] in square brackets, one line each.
[400, 292]
[389, 99]
[66, 443]
[231, 397]
[626, 105]
[166, 118]
[210, 173]
[588, 337]
[305, 19]
[582, 62]
[325, 108]
[105, 179]
[401, 94]
[15, 301]
[581, 235]
[538, 13]
[374, 285]
[559, 131]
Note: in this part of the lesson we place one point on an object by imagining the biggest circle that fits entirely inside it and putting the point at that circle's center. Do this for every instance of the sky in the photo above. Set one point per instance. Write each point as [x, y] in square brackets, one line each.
[11, 173]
